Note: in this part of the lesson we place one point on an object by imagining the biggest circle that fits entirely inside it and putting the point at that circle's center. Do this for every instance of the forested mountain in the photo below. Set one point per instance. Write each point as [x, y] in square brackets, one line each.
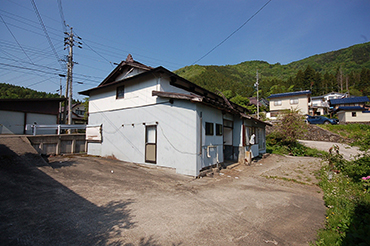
[341, 70]
[8, 91]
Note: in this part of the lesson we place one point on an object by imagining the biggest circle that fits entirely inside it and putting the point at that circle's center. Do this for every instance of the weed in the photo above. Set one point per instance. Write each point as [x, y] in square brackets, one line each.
[359, 133]
[348, 200]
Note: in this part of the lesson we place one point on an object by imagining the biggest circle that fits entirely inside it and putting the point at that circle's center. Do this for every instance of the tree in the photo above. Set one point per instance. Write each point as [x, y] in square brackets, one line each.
[291, 126]
[309, 78]
[240, 100]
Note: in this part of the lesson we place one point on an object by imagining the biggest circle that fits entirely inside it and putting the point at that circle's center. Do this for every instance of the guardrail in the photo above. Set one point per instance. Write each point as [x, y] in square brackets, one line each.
[58, 128]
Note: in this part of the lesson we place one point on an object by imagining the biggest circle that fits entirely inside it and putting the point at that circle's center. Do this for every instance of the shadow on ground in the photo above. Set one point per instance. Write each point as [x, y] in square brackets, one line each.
[37, 210]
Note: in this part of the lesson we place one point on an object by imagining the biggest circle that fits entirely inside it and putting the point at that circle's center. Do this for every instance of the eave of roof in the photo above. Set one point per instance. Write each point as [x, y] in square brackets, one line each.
[199, 93]
[288, 94]
[349, 100]
[204, 100]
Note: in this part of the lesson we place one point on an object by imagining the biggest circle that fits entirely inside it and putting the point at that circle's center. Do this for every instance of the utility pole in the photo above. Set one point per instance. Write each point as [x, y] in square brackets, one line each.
[258, 105]
[70, 42]
[61, 114]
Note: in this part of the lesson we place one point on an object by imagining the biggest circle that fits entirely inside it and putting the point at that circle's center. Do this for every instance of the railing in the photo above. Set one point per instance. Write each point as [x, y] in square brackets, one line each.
[59, 128]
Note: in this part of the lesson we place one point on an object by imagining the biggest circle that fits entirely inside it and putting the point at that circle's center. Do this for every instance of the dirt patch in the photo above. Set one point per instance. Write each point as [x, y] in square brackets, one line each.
[81, 200]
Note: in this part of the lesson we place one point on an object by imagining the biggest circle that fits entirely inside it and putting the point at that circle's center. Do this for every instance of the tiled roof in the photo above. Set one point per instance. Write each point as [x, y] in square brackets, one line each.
[289, 94]
[349, 100]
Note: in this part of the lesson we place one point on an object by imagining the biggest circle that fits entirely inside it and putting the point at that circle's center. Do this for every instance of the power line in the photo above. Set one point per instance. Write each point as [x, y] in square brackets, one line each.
[223, 41]
[15, 39]
[64, 26]
[97, 52]
[46, 32]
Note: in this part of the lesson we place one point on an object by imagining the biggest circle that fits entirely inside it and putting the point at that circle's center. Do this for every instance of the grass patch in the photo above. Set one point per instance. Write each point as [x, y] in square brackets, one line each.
[359, 133]
[347, 196]
[274, 145]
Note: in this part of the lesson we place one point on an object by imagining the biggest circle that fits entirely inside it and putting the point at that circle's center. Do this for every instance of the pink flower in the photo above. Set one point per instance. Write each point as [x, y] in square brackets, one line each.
[368, 177]
[364, 178]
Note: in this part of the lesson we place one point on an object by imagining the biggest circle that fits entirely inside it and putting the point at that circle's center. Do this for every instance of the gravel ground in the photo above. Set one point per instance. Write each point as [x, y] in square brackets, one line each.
[348, 152]
[85, 200]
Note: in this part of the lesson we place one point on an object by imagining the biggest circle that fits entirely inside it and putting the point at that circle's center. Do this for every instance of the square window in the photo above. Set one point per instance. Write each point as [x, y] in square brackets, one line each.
[209, 128]
[294, 101]
[120, 92]
[353, 114]
[219, 129]
[277, 103]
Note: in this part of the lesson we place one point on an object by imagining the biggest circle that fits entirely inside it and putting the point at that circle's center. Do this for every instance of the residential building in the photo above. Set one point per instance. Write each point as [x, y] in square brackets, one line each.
[297, 100]
[319, 105]
[15, 114]
[353, 114]
[78, 114]
[348, 102]
[153, 116]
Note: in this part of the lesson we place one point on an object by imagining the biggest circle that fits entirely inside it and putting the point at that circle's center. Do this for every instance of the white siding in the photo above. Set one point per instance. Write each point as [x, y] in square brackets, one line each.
[346, 116]
[285, 103]
[11, 122]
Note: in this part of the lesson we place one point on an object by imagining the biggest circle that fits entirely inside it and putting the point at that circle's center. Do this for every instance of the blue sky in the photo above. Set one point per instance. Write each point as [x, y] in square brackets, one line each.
[168, 33]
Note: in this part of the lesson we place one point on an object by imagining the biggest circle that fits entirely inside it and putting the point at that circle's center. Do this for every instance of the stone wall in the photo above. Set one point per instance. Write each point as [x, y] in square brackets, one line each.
[316, 133]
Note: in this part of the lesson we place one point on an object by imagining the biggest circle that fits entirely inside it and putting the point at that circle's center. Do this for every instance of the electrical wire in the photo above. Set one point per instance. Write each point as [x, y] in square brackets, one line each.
[15, 39]
[64, 25]
[46, 32]
[223, 41]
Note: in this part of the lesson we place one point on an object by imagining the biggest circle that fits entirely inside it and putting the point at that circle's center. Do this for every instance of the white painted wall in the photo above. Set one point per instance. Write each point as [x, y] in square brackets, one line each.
[11, 122]
[285, 103]
[346, 116]
[176, 134]
[41, 119]
[136, 94]
[211, 145]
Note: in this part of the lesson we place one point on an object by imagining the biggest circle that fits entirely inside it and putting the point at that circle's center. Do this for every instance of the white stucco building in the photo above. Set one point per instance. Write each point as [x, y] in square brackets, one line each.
[297, 100]
[153, 116]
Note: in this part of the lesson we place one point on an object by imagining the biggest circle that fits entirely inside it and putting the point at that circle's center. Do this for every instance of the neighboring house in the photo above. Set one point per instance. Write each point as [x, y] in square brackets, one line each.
[153, 116]
[319, 105]
[262, 102]
[353, 114]
[16, 113]
[290, 100]
[78, 114]
[348, 102]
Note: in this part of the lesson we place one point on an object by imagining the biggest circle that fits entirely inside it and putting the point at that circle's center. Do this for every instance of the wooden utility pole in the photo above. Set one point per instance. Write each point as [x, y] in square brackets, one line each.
[258, 105]
[70, 42]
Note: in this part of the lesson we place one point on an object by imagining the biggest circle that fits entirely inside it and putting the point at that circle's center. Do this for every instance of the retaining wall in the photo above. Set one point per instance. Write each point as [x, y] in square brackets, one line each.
[59, 144]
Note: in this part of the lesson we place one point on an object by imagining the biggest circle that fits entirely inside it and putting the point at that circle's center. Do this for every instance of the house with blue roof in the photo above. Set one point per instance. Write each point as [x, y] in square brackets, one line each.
[353, 114]
[298, 100]
[349, 101]
[351, 109]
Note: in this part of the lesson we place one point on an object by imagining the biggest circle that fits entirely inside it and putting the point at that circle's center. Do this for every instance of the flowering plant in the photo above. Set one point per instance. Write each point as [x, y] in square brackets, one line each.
[366, 182]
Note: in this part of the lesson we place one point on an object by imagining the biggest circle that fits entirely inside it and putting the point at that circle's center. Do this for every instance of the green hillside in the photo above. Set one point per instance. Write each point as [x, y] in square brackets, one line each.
[319, 73]
[8, 91]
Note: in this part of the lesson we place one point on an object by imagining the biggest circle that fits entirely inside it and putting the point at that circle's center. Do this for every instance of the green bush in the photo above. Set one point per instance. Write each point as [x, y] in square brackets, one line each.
[347, 197]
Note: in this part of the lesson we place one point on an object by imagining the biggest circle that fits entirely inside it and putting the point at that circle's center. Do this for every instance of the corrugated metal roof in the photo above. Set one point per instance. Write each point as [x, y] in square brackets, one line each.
[349, 100]
[289, 94]
[349, 108]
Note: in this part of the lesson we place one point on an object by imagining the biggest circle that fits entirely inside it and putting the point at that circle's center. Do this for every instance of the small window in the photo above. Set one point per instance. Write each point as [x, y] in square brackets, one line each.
[277, 103]
[294, 101]
[353, 114]
[219, 129]
[120, 92]
[209, 128]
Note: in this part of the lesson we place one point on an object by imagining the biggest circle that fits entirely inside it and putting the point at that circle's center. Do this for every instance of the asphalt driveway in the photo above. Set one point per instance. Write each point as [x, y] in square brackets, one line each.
[81, 200]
